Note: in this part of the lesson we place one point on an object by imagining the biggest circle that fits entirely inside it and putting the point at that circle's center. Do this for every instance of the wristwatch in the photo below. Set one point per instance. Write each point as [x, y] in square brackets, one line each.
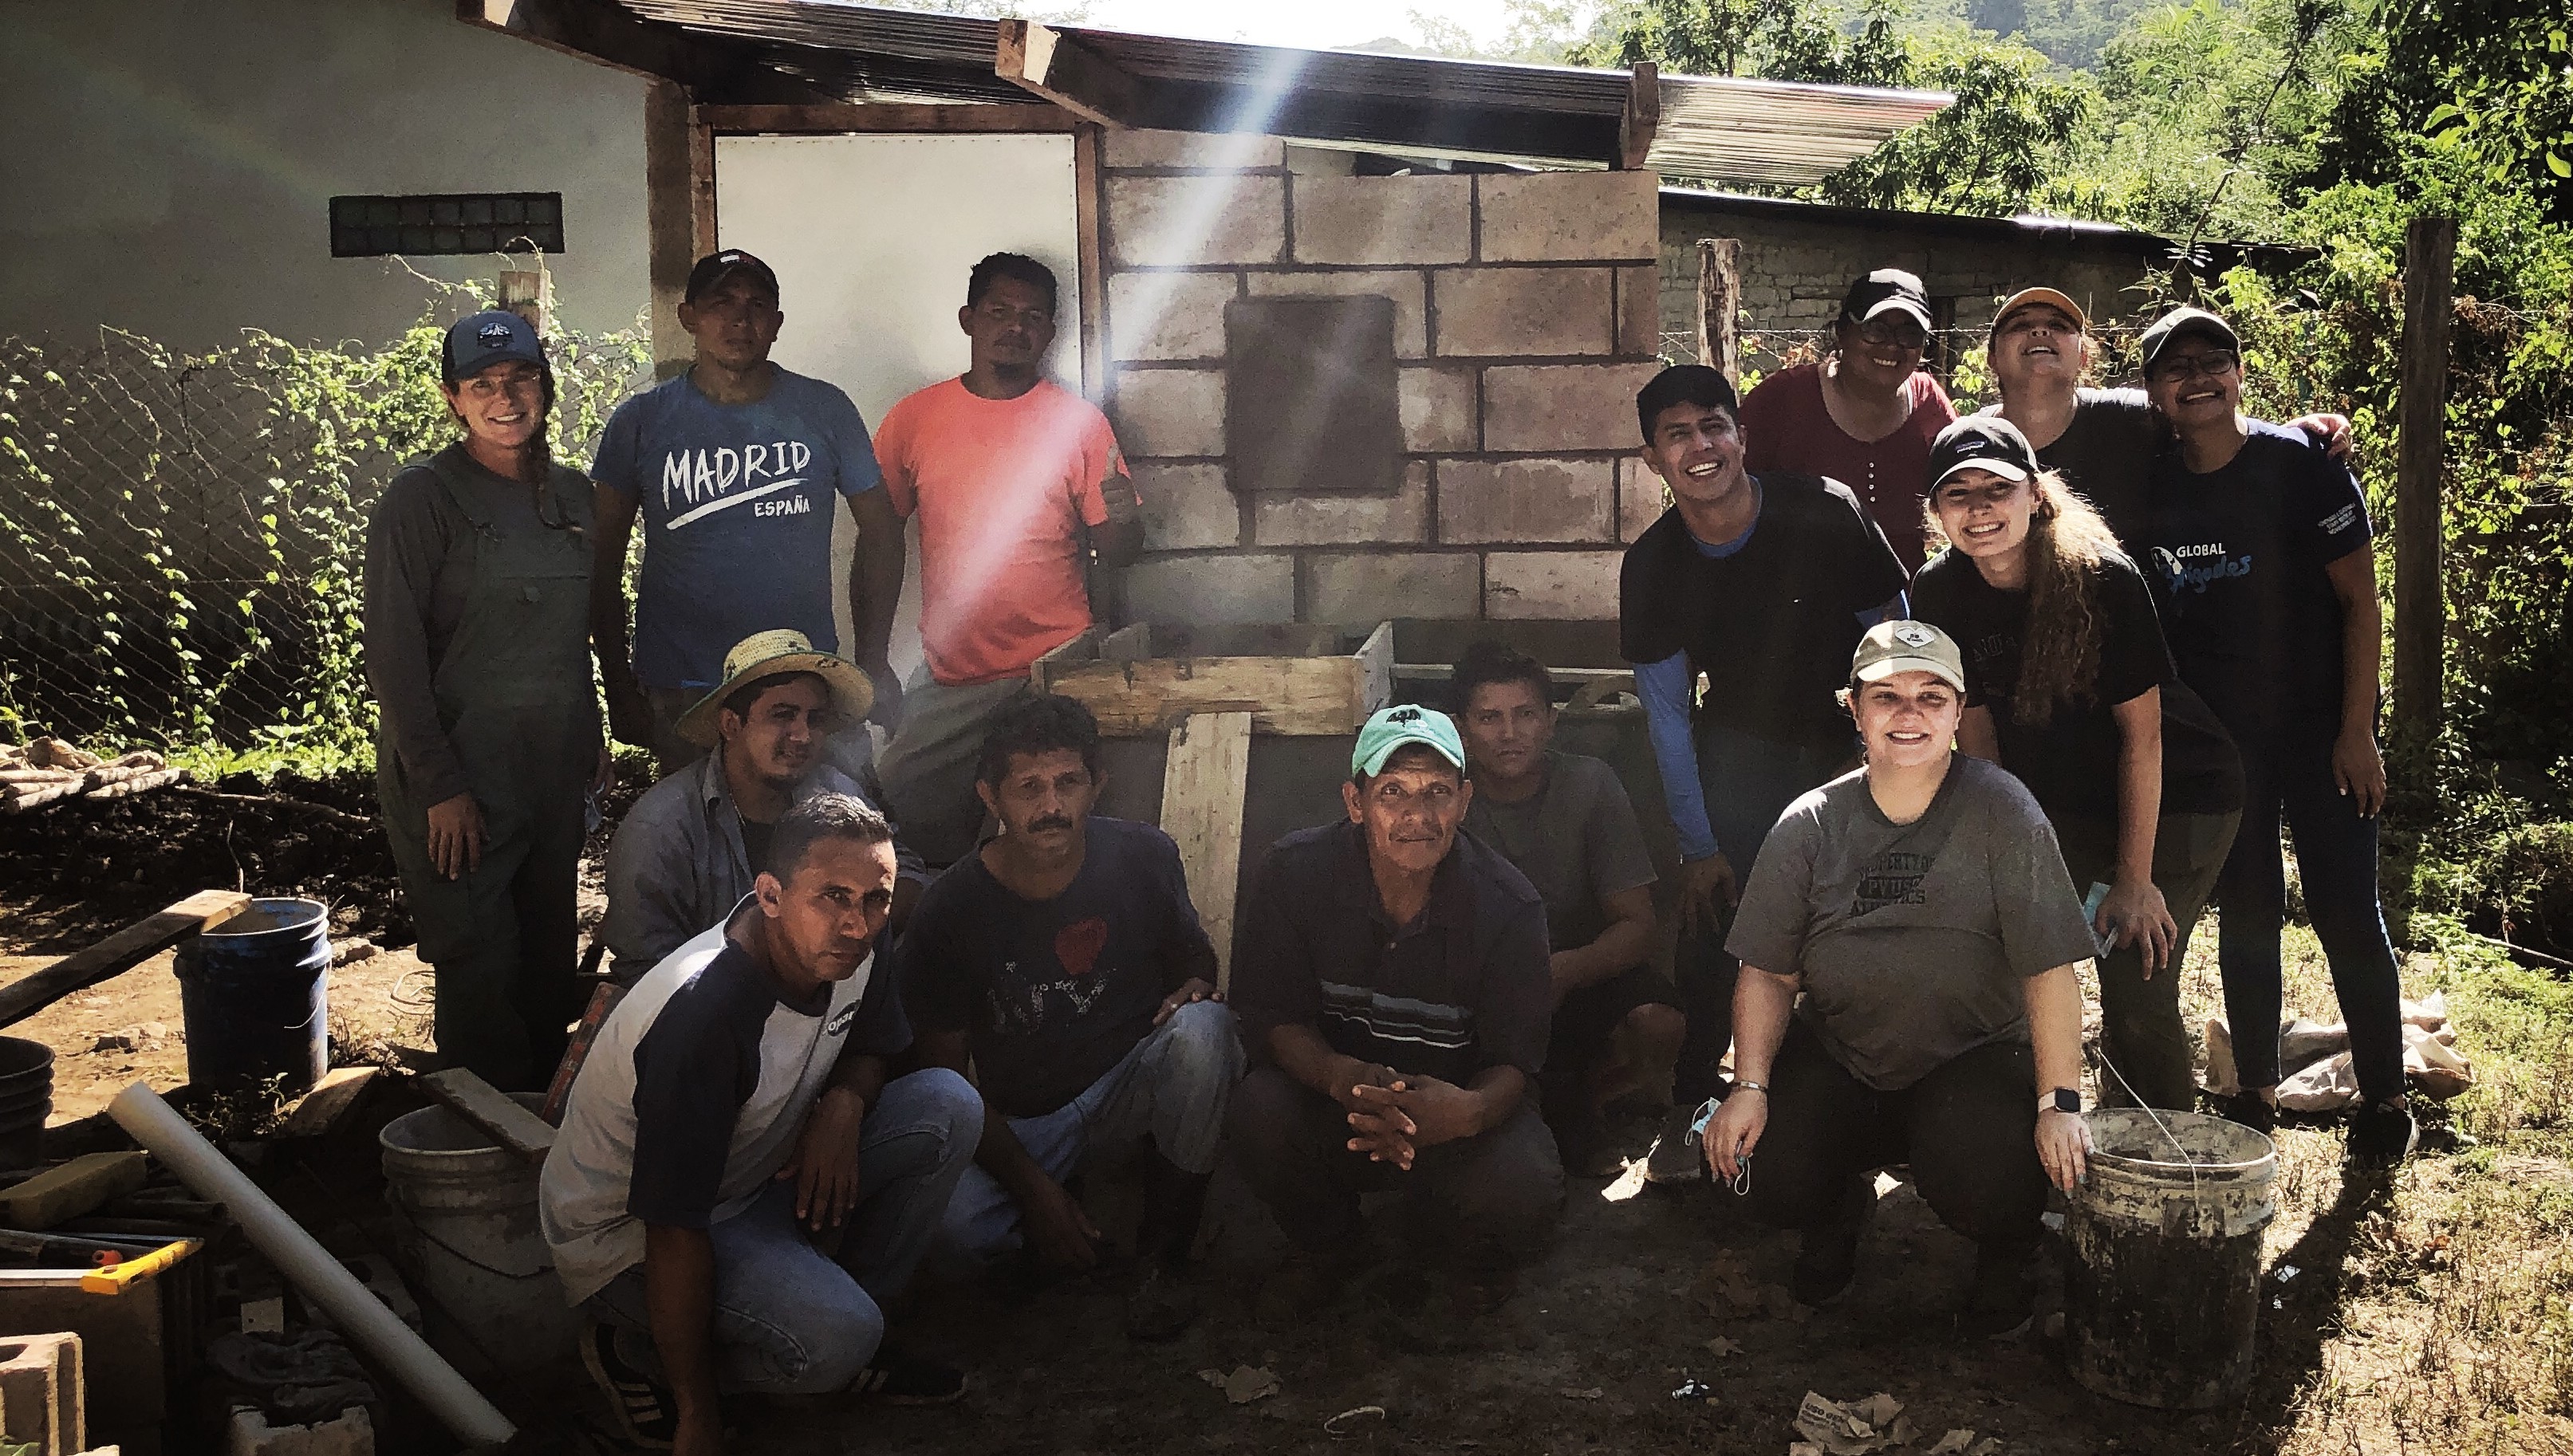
[2061, 1099]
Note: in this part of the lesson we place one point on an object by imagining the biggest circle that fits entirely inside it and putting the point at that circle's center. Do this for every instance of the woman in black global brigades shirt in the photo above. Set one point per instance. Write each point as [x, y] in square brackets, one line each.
[2258, 545]
[2069, 686]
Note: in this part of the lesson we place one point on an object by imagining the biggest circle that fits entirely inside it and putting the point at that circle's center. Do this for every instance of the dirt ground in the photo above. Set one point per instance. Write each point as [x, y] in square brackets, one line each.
[1644, 1291]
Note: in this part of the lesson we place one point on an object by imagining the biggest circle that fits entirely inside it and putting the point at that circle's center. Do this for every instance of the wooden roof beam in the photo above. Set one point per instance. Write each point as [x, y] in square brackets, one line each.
[1642, 118]
[712, 68]
[1045, 62]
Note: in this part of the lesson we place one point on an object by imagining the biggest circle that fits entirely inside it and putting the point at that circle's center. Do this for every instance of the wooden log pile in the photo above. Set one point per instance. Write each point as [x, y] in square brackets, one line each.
[49, 770]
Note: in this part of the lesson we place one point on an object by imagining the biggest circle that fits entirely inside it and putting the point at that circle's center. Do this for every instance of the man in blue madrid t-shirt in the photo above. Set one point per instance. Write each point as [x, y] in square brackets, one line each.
[734, 466]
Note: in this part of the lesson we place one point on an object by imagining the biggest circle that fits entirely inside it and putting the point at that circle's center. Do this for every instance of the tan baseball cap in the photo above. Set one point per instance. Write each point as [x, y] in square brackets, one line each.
[1902, 645]
[763, 654]
[2051, 298]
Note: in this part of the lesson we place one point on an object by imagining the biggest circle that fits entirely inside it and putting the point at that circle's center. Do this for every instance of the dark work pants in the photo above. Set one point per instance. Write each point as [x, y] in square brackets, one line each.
[2140, 1030]
[1748, 783]
[2336, 862]
[1969, 1129]
[1486, 1199]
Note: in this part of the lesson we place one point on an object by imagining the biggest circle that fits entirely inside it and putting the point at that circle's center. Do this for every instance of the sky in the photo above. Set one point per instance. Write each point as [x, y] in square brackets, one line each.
[1316, 24]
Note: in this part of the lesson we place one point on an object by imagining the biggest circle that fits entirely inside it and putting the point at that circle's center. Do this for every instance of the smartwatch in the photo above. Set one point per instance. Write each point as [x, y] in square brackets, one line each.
[2061, 1099]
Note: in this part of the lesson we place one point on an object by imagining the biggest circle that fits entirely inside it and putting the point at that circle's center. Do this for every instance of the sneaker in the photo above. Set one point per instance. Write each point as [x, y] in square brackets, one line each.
[1999, 1304]
[1676, 1158]
[898, 1379]
[1827, 1259]
[1303, 1286]
[2249, 1110]
[1162, 1306]
[2382, 1135]
[645, 1411]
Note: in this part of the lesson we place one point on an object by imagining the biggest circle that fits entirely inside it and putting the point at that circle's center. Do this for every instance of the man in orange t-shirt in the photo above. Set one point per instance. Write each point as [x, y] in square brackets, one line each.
[1018, 486]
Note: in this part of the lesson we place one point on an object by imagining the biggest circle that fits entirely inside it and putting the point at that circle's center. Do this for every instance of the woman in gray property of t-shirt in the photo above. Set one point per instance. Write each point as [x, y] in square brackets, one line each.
[1921, 908]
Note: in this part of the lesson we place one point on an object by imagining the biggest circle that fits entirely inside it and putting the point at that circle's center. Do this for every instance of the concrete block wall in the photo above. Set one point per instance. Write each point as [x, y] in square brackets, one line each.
[1794, 273]
[1525, 317]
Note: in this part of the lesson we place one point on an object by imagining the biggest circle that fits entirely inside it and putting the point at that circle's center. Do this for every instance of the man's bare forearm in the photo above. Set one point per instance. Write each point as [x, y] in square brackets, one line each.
[875, 579]
[679, 1302]
[1301, 1054]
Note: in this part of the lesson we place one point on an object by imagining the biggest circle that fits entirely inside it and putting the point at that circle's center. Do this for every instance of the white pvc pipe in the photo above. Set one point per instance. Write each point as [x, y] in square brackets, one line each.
[320, 1278]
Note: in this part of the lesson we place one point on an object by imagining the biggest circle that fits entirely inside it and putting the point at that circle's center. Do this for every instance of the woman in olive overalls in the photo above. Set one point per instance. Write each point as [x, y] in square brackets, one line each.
[477, 648]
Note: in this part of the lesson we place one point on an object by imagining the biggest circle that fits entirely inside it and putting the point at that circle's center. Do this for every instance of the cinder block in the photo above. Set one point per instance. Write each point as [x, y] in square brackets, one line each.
[1373, 587]
[1168, 316]
[1526, 501]
[1169, 411]
[1197, 590]
[1639, 310]
[1562, 407]
[1551, 217]
[42, 1393]
[1579, 586]
[1347, 521]
[1384, 220]
[1411, 319]
[1522, 311]
[1186, 508]
[1125, 147]
[1438, 408]
[348, 1434]
[1639, 497]
[1182, 221]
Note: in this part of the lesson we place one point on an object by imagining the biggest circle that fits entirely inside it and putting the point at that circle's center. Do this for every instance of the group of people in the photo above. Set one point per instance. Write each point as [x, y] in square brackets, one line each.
[886, 1010]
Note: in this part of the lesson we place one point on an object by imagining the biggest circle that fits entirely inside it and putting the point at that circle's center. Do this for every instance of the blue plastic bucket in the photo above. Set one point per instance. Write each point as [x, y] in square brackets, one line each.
[254, 992]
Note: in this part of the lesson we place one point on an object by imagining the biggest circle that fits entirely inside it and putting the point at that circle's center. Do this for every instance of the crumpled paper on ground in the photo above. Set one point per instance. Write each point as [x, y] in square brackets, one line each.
[1245, 1384]
[2319, 1077]
[1854, 1429]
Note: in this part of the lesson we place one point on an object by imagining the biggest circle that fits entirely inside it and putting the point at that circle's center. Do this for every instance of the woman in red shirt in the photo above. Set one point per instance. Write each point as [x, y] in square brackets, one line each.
[1865, 414]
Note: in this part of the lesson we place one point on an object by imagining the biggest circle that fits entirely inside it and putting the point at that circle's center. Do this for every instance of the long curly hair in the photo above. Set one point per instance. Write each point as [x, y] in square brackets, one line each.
[2068, 543]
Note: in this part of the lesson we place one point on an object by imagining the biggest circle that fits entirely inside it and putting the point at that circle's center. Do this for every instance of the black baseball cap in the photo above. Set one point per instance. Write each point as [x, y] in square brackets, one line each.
[1982, 443]
[714, 268]
[2169, 328]
[1885, 291]
[476, 341]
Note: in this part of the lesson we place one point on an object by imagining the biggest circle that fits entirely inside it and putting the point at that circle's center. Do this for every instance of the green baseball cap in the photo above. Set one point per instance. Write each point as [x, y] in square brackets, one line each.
[1391, 728]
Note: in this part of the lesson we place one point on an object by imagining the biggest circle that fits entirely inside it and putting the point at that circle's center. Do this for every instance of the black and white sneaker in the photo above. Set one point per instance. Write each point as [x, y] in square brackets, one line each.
[898, 1379]
[645, 1409]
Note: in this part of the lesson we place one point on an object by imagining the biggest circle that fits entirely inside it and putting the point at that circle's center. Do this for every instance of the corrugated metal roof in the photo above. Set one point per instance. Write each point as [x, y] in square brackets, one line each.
[1767, 132]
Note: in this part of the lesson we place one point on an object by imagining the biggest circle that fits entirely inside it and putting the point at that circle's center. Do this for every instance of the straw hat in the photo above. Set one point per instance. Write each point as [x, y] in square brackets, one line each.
[763, 654]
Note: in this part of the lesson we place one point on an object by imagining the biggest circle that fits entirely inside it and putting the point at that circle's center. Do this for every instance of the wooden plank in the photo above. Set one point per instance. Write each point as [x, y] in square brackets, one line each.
[1091, 262]
[1443, 671]
[1643, 116]
[1294, 696]
[119, 952]
[1130, 643]
[669, 226]
[841, 118]
[1202, 786]
[487, 1107]
[1719, 305]
[67, 1190]
[606, 34]
[1043, 61]
[1376, 670]
[320, 1109]
[2420, 610]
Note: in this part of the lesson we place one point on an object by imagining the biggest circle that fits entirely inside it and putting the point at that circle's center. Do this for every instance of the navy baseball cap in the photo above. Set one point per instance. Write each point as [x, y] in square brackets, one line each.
[1982, 443]
[714, 268]
[476, 341]
[1887, 290]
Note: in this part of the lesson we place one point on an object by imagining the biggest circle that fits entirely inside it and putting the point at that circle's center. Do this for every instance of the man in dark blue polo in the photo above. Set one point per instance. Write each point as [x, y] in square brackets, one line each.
[1392, 985]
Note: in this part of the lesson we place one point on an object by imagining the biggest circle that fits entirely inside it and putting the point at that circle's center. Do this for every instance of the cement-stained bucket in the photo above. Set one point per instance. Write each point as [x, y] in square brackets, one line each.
[2165, 1289]
[468, 1208]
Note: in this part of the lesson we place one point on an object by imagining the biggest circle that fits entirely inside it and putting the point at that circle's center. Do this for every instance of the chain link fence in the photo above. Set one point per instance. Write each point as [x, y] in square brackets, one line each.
[182, 537]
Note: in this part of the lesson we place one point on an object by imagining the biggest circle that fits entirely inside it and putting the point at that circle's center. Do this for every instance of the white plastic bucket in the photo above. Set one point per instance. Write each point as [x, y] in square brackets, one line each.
[469, 1221]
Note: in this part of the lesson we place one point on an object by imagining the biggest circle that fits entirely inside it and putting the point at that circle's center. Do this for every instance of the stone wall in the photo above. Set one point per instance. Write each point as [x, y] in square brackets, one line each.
[1525, 317]
[1794, 270]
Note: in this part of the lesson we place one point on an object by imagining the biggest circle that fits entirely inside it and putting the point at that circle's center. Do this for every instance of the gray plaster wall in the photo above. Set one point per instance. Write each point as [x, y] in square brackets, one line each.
[169, 164]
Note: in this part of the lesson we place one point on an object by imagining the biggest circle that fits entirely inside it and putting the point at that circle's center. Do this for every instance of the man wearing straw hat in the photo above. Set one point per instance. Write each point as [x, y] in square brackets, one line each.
[686, 852]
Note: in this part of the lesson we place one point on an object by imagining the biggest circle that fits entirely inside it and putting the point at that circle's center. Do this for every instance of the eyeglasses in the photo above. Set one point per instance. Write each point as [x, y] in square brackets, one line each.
[2182, 366]
[1901, 332]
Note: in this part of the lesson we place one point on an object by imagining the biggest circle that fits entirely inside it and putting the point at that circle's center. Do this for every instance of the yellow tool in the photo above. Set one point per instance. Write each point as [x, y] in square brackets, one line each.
[113, 1273]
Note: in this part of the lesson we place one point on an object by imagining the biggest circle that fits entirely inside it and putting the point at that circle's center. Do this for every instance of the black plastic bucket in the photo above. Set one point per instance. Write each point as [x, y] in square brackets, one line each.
[26, 1100]
[254, 991]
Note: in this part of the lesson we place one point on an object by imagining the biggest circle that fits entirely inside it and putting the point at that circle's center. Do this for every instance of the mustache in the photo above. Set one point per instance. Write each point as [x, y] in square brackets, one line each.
[1051, 821]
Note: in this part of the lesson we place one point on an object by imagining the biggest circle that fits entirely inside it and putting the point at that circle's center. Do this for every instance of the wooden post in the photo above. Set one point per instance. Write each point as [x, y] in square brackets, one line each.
[2420, 605]
[529, 294]
[1719, 305]
[1643, 116]
[678, 212]
[1202, 784]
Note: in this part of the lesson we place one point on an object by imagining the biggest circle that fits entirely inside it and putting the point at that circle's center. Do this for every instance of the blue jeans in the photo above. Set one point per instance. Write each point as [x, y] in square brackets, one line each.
[790, 1320]
[1748, 783]
[2336, 862]
[1174, 1084]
